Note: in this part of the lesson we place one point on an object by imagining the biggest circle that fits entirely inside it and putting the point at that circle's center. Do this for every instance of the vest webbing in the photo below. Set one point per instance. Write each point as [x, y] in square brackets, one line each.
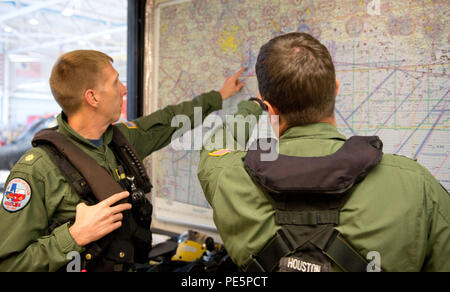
[98, 179]
[307, 194]
[131, 243]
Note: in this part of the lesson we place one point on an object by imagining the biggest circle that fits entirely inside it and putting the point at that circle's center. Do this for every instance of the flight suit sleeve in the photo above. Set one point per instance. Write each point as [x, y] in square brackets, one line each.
[230, 190]
[224, 143]
[438, 246]
[236, 129]
[155, 131]
[24, 219]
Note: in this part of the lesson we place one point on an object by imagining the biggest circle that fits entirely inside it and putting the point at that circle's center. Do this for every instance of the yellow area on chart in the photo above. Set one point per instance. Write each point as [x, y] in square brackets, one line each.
[228, 41]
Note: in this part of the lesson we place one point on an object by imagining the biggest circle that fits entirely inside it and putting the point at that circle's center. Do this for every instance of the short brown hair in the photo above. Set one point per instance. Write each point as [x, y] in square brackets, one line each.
[73, 74]
[296, 75]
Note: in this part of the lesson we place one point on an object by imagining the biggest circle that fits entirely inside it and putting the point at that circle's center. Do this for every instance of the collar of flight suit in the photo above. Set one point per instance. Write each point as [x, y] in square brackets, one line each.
[313, 131]
[66, 130]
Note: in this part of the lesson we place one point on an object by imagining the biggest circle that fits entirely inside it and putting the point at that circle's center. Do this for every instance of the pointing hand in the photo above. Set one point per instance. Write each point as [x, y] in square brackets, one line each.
[232, 85]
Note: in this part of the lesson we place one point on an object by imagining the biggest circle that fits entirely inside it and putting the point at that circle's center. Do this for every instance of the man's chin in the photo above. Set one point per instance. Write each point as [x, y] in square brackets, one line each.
[116, 119]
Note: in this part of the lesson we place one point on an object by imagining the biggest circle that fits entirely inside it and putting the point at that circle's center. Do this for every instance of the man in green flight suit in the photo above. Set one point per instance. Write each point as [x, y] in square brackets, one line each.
[37, 195]
[399, 215]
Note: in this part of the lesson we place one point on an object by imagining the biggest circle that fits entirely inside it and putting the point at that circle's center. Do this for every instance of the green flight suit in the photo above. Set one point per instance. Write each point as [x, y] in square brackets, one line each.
[400, 210]
[24, 246]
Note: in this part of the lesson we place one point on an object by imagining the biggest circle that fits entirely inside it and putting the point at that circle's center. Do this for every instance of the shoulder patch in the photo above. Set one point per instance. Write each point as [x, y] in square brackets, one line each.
[220, 153]
[130, 125]
[30, 158]
[17, 195]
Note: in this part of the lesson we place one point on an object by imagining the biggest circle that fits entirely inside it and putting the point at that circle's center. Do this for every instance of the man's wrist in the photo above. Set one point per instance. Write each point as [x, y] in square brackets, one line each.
[76, 236]
[224, 95]
[65, 240]
[215, 99]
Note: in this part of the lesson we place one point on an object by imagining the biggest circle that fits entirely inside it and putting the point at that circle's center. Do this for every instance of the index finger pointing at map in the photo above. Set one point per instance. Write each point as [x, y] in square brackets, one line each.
[236, 76]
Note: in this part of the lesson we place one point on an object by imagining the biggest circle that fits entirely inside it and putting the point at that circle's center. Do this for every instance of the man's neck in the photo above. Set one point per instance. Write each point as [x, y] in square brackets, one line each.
[330, 120]
[283, 126]
[88, 125]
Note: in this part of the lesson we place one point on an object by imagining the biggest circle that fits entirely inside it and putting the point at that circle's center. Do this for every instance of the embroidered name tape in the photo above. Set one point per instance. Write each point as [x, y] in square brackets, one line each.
[294, 264]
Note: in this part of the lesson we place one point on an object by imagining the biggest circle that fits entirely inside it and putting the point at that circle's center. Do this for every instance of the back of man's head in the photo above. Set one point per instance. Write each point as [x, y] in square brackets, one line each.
[296, 75]
[73, 74]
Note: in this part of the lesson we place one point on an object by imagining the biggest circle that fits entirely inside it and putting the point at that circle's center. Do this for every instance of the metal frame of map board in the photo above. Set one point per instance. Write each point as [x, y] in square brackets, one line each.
[165, 210]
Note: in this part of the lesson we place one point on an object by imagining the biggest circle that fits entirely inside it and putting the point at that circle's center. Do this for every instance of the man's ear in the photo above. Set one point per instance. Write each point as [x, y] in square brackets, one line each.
[337, 86]
[273, 111]
[90, 98]
[276, 120]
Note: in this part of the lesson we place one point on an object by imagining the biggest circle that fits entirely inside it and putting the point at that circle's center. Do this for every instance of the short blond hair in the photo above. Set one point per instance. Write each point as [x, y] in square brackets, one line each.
[73, 74]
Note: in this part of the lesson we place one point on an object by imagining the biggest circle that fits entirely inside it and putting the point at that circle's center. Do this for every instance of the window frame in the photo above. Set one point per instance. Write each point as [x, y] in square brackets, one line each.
[135, 58]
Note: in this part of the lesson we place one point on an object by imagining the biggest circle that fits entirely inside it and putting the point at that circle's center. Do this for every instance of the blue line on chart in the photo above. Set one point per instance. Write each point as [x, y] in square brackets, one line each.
[346, 123]
[401, 104]
[407, 73]
[370, 95]
[369, 64]
[418, 127]
[434, 154]
[429, 133]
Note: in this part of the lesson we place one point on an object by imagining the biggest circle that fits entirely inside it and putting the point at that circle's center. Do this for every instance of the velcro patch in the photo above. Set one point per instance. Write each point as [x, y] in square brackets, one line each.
[130, 125]
[294, 264]
[219, 153]
[17, 195]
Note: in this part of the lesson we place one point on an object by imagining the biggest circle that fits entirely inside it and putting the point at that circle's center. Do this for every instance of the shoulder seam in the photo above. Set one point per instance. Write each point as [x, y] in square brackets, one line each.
[419, 170]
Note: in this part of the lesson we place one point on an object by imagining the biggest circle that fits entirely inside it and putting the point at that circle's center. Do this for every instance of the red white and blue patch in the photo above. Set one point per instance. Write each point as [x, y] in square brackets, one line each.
[17, 195]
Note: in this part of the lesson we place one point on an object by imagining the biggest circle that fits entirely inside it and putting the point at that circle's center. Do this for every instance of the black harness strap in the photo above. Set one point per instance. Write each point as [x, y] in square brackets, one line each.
[343, 255]
[307, 218]
[130, 243]
[100, 181]
[337, 249]
[268, 259]
[129, 158]
[71, 174]
[307, 194]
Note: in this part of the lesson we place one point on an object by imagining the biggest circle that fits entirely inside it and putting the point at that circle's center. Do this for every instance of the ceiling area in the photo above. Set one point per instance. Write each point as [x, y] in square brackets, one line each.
[42, 26]
[34, 33]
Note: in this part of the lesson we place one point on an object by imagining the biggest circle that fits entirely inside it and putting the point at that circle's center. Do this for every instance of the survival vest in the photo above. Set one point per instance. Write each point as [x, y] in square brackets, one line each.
[131, 243]
[307, 194]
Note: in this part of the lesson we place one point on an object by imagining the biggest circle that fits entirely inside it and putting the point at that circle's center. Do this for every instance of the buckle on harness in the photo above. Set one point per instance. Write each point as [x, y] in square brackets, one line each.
[268, 258]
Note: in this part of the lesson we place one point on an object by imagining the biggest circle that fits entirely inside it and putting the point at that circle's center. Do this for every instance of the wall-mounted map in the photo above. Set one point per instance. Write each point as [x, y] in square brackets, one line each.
[391, 59]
